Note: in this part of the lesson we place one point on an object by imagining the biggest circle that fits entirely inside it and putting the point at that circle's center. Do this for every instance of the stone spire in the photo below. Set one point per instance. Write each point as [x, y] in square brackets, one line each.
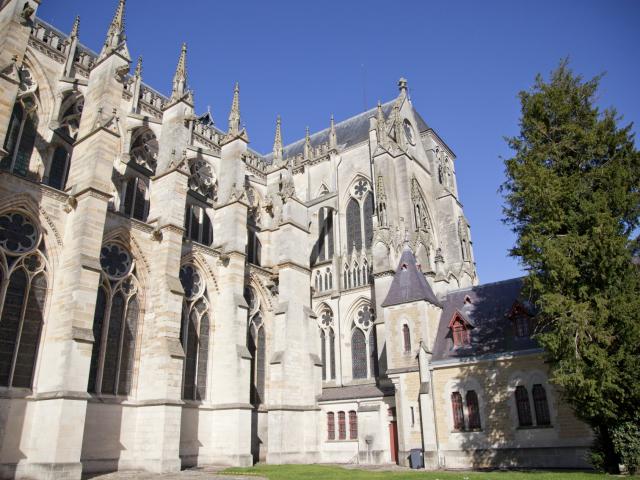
[116, 38]
[180, 78]
[234, 114]
[277, 142]
[75, 28]
[73, 46]
[402, 85]
[138, 72]
[333, 138]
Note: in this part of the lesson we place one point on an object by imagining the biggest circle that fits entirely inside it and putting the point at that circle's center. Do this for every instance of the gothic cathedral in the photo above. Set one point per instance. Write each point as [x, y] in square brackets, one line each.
[170, 297]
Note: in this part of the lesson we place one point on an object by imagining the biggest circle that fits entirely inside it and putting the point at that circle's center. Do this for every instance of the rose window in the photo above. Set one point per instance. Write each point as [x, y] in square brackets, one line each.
[360, 188]
[326, 318]
[364, 317]
[115, 260]
[17, 233]
[191, 282]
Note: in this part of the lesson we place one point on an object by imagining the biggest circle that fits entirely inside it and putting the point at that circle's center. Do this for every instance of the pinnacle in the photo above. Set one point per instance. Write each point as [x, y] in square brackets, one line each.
[76, 27]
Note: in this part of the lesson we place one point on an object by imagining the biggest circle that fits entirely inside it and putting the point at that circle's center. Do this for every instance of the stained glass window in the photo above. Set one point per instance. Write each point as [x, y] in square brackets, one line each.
[24, 284]
[58, 169]
[358, 354]
[353, 425]
[331, 426]
[342, 426]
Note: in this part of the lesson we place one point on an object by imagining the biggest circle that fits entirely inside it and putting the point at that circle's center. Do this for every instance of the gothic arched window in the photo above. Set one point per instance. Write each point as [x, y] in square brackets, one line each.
[473, 410]
[256, 342]
[540, 405]
[458, 411]
[21, 136]
[363, 344]
[360, 217]
[523, 406]
[353, 425]
[331, 426]
[23, 292]
[197, 225]
[115, 323]
[194, 333]
[144, 149]
[342, 426]
[324, 247]
[58, 169]
[71, 112]
[254, 247]
[327, 344]
[135, 203]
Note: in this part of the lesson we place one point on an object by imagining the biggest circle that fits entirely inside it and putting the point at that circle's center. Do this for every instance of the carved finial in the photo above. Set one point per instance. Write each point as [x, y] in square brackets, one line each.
[234, 114]
[76, 28]
[402, 85]
[180, 78]
[307, 144]
[138, 73]
[381, 125]
[115, 35]
[333, 138]
[277, 142]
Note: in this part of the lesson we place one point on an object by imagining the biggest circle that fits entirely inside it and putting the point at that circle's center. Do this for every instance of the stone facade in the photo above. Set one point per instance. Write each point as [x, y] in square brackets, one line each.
[169, 297]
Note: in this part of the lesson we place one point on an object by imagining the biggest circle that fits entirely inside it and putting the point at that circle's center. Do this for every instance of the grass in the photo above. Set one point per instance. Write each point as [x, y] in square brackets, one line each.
[326, 472]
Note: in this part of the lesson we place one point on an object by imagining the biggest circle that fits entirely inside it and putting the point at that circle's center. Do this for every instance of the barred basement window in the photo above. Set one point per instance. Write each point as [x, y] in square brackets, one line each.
[458, 411]
[523, 406]
[331, 426]
[342, 426]
[473, 410]
[353, 425]
[541, 405]
[194, 334]
[115, 323]
[23, 291]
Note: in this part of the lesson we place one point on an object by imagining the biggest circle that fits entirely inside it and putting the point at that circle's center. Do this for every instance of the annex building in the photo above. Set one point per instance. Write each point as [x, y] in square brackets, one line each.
[170, 297]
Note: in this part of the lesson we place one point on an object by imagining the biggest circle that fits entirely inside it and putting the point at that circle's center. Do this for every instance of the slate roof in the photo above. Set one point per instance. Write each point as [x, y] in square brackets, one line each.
[487, 312]
[409, 284]
[353, 391]
[349, 132]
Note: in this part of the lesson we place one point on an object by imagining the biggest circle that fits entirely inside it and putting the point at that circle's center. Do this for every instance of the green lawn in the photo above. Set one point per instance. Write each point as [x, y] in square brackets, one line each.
[325, 472]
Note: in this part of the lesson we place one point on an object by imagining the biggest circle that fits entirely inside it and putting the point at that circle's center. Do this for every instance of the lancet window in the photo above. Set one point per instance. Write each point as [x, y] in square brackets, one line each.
[364, 357]
[360, 217]
[115, 323]
[327, 344]
[135, 202]
[21, 136]
[194, 333]
[23, 292]
[197, 225]
[256, 343]
[324, 247]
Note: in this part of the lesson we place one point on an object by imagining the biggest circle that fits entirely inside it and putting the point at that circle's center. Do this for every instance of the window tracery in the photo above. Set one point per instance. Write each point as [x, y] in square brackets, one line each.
[327, 343]
[256, 343]
[23, 292]
[360, 217]
[194, 333]
[115, 323]
[202, 179]
[363, 344]
[197, 225]
[21, 136]
[144, 149]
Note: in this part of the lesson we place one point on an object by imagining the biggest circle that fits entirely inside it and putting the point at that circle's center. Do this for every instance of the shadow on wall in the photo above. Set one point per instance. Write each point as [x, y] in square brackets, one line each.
[101, 446]
[190, 444]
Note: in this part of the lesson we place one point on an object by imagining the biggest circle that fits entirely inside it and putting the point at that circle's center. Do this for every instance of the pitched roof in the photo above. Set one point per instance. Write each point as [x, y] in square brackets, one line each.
[349, 132]
[487, 309]
[409, 283]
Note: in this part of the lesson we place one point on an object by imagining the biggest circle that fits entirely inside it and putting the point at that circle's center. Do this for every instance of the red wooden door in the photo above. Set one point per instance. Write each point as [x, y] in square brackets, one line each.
[393, 440]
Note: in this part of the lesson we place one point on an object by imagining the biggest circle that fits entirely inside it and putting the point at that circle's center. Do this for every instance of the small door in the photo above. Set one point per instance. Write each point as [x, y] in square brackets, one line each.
[393, 440]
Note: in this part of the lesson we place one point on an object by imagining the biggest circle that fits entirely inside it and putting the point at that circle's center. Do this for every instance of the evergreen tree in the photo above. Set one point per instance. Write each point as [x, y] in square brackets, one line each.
[572, 194]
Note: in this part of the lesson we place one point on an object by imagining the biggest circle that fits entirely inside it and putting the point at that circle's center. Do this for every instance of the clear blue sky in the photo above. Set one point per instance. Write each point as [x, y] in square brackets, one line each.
[465, 62]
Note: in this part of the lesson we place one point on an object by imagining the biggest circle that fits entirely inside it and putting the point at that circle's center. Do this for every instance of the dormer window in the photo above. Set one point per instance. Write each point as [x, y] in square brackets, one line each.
[460, 331]
[521, 320]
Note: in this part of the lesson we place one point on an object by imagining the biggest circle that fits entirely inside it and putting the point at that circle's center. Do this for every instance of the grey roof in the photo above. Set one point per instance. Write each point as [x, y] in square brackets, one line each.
[409, 283]
[352, 392]
[487, 312]
[349, 132]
